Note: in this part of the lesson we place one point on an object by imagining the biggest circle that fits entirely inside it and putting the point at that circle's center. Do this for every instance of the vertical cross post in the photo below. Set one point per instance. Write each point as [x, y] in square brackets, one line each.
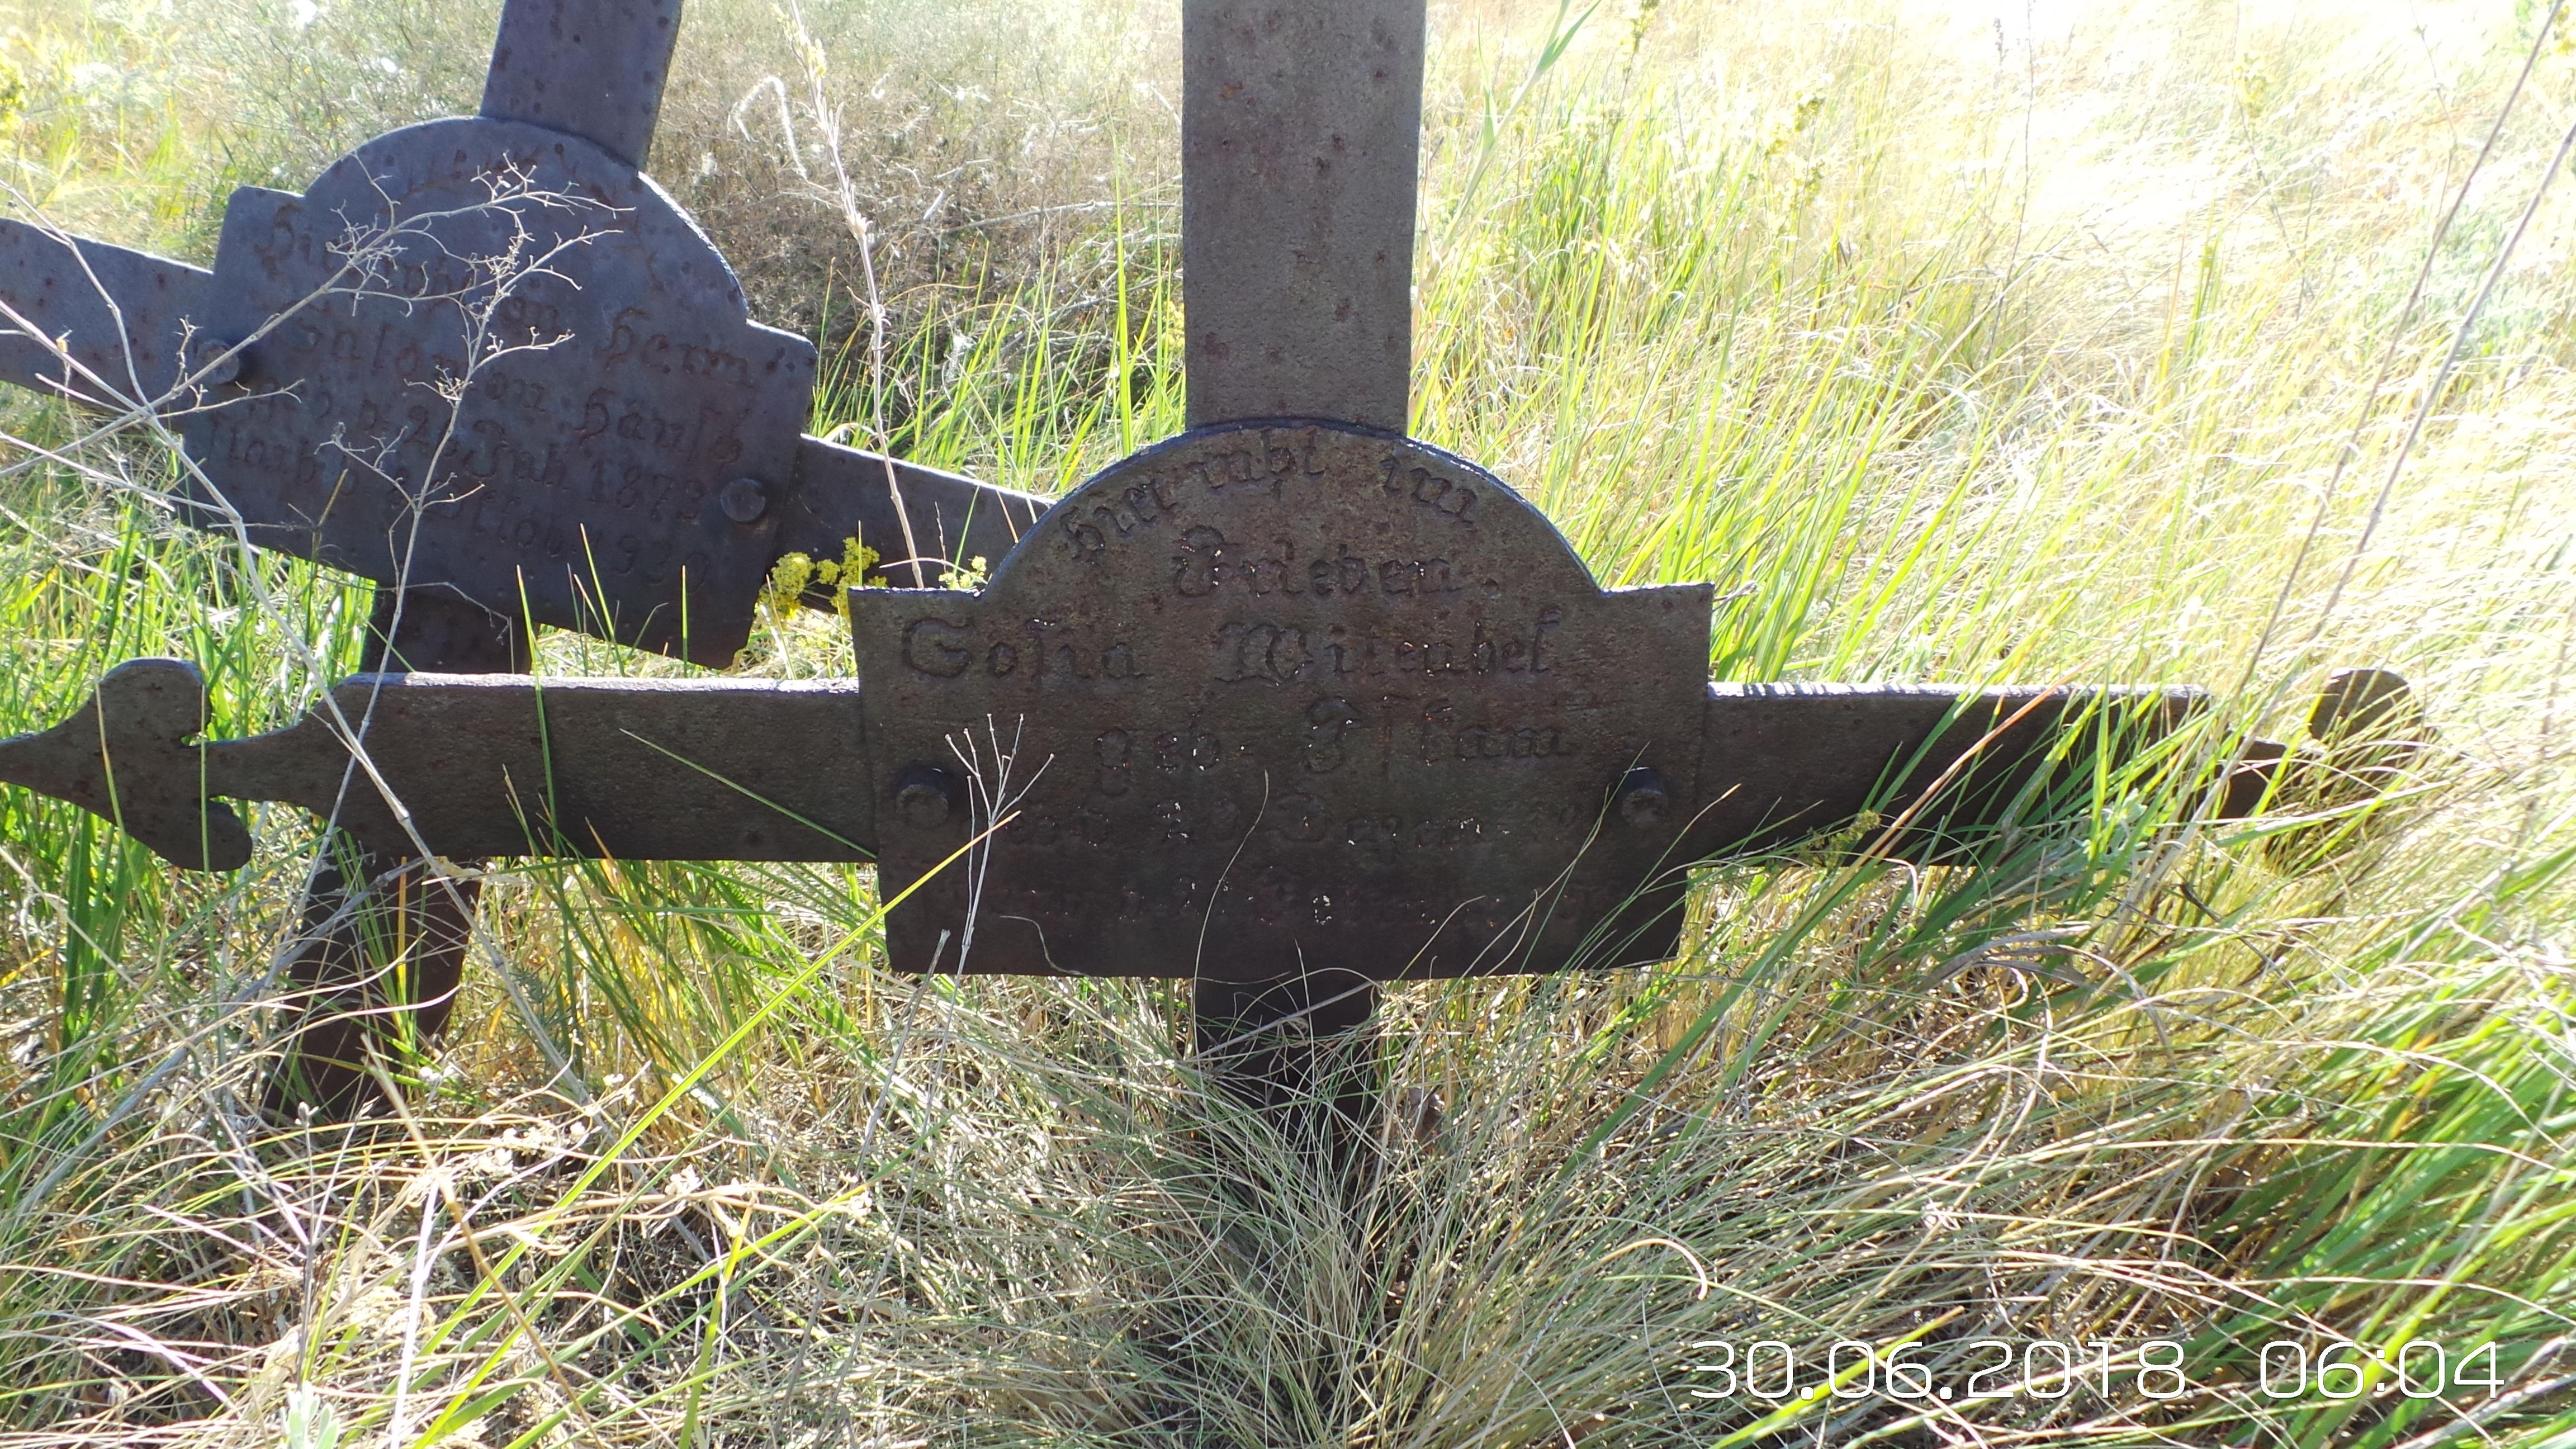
[384, 952]
[383, 942]
[1301, 123]
[590, 68]
[1301, 126]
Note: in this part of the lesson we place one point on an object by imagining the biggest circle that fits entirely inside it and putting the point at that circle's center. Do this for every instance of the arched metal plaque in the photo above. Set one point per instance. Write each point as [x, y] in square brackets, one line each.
[542, 390]
[1284, 694]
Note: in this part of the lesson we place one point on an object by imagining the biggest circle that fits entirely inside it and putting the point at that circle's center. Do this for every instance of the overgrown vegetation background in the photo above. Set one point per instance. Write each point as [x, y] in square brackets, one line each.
[2043, 342]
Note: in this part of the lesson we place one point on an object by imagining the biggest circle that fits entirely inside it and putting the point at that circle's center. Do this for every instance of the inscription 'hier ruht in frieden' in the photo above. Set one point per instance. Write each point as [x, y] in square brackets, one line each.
[1343, 700]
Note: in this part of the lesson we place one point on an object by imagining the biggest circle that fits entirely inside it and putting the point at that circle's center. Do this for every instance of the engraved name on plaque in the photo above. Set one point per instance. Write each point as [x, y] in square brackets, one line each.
[1306, 693]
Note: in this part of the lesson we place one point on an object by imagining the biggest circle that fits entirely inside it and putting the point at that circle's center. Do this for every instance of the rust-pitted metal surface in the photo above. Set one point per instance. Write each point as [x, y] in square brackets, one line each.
[1300, 127]
[483, 765]
[1786, 765]
[381, 950]
[124, 757]
[540, 395]
[588, 68]
[916, 518]
[1283, 693]
[757, 770]
[118, 316]
[663, 769]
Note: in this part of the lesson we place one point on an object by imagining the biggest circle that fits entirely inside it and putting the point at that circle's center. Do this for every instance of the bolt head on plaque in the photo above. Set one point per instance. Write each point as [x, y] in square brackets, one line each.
[1311, 695]
[213, 361]
[1644, 797]
[744, 500]
[926, 795]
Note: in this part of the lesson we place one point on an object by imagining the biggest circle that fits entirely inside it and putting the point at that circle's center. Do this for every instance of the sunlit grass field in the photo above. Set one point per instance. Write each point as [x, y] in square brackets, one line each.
[2068, 342]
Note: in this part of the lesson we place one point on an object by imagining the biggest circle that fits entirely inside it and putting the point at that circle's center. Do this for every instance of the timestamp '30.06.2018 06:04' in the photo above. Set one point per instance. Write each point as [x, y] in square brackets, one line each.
[1775, 1372]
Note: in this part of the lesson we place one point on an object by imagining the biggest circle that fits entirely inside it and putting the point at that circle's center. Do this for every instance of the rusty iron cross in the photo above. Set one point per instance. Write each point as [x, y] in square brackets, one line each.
[1289, 704]
[489, 359]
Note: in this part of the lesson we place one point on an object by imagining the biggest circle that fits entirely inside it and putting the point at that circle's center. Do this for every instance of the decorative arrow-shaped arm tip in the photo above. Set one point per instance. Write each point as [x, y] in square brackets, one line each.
[126, 757]
[2366, 730]
[486, 764]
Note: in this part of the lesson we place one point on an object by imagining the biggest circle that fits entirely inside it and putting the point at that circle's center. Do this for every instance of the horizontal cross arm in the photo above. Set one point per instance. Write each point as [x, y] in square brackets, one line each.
[765, 770]
[481, 765]
[99, 324]
[915, 518]
[1917, 773]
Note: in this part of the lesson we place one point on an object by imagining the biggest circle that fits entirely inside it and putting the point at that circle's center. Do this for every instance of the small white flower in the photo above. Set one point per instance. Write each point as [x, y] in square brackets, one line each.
[386, 64]
[302, 13]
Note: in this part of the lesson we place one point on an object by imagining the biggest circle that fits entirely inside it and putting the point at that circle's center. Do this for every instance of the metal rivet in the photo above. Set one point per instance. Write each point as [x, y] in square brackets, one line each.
[220, 363]
[1642, 796]
[925, 796]
[744, 499]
